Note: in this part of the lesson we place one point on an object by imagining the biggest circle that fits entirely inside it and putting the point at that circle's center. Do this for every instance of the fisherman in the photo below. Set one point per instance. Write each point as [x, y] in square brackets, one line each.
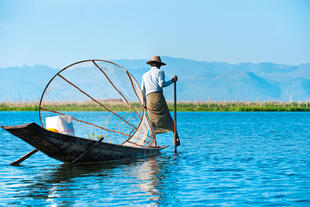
[152, 85]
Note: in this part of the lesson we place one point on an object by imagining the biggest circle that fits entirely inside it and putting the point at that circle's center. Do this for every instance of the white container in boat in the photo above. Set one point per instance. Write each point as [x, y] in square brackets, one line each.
[63, 124]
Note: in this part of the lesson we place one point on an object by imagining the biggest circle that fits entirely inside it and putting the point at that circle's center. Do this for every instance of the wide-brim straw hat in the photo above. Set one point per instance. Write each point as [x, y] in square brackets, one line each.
[155, 59]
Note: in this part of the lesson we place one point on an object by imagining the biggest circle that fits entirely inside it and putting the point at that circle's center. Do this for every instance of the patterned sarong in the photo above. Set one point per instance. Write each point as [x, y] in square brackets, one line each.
[159, 113]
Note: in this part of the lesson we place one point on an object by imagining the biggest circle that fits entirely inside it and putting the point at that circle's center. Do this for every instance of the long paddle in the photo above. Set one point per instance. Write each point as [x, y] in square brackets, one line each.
[86, 151]
[17, 162]
[176, 141]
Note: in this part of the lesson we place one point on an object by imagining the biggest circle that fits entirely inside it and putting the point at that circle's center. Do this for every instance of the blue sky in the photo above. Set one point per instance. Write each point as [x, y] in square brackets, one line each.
[59, 32]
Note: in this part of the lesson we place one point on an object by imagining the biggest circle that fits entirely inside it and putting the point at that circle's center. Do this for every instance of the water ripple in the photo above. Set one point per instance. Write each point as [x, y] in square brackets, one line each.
[226, 159]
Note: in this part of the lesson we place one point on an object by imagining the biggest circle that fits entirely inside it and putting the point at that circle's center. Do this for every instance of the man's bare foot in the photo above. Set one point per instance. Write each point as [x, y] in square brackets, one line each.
[178, 142]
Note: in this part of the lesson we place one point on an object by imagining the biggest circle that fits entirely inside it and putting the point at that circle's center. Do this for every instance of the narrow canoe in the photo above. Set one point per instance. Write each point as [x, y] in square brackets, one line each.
[66, 148]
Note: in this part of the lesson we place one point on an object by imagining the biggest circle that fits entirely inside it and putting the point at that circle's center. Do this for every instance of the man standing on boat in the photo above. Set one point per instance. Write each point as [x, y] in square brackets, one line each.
[152, 85]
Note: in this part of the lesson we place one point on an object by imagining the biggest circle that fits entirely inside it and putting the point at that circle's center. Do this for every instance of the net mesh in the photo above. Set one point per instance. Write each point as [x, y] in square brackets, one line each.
[109, 97]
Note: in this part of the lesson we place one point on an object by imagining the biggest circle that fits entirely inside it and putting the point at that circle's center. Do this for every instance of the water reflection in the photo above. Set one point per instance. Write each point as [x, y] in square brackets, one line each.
[147, 173]
[66, 184]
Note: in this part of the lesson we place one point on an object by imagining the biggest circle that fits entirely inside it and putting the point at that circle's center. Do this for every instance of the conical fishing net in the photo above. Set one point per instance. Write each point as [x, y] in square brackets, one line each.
[103, 99]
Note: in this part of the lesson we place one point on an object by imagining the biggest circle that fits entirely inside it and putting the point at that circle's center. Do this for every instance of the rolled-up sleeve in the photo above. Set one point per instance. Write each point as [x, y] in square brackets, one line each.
[161, 79]
[143, 91]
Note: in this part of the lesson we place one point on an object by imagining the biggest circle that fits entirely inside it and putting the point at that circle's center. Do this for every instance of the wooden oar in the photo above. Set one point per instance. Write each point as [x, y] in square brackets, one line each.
[175, 117]
[17, 162]
[86, 151]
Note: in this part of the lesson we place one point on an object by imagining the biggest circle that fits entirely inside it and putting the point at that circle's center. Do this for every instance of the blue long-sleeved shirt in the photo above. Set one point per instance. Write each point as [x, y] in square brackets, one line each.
[153, 81]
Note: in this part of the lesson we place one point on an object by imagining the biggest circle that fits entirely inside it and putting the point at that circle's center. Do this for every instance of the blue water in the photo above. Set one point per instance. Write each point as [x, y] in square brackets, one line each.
[226, 159]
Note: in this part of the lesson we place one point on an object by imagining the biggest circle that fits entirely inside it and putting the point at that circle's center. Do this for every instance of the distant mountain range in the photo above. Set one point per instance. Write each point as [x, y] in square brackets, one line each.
[198, 81]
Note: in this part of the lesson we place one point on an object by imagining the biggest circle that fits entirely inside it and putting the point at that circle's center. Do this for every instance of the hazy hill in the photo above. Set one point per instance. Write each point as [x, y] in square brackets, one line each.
[198, 81]
[24, 83]
[217, 81]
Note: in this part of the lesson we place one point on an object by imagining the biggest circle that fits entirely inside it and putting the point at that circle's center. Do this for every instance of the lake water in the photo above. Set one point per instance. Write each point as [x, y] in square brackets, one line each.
[226, 159]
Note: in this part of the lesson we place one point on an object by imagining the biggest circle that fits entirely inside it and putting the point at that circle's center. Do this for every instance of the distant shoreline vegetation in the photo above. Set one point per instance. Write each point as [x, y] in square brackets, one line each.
[182, 106]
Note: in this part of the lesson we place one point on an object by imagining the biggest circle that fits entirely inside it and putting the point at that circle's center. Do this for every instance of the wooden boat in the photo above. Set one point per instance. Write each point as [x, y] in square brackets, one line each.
[130, 134]
[67, 148]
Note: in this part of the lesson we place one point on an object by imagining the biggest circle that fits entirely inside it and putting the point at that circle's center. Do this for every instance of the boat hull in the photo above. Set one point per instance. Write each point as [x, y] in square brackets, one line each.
[66, 148]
